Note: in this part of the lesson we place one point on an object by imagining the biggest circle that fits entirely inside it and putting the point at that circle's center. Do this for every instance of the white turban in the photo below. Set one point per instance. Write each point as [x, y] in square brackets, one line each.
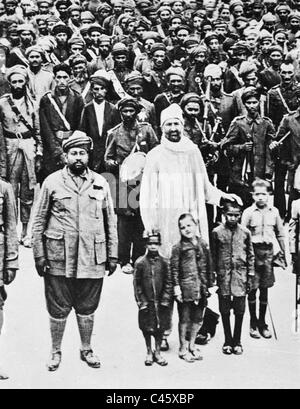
[173, 111]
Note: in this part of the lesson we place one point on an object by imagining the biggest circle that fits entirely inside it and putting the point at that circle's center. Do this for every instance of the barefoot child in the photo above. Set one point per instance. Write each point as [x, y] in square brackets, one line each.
[154, 294]
[233, 255]
[266, 226]
[192, 276]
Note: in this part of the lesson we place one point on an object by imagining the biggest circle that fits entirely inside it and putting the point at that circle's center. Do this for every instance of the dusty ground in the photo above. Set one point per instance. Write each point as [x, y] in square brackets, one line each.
[25, 344]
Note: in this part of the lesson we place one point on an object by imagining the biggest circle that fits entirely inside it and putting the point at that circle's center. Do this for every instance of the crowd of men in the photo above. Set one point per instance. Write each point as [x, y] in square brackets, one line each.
[110, 69]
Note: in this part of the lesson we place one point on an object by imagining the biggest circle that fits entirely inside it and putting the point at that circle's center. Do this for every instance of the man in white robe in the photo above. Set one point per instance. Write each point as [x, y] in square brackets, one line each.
[174, 182]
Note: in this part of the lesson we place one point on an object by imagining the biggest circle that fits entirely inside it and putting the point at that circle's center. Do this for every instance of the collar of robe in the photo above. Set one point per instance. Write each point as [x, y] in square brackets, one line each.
[184, 145]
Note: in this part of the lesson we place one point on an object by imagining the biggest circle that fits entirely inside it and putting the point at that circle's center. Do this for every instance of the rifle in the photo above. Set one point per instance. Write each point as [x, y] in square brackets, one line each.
[207, 103]
[248, 166]
[214, 157]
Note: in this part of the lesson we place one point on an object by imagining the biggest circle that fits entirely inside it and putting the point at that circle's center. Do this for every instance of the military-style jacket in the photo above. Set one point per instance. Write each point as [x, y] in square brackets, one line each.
[276, 108]
[10, 123]
[120, 144]
[261, 132]
[233, 255]
[8, 230]
[75, 227]
[291, 123]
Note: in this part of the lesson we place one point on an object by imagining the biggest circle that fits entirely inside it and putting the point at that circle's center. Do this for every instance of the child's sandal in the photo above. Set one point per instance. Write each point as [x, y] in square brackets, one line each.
[227, 350]
[196, 355]
[187, 357]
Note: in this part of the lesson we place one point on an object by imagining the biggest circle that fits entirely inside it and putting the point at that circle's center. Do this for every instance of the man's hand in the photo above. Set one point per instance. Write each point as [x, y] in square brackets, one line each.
[232, 198]
[274, 145]
[111, 164]
[248, 146]
[41, 266]
[112, 266]
[38, 163]
[294, 258]
[9, 275]
[178, 294]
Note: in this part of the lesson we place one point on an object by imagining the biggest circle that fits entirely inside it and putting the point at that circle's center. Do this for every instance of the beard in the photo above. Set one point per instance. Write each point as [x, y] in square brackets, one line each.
[18, 93]
[77, 168]
[81, 77]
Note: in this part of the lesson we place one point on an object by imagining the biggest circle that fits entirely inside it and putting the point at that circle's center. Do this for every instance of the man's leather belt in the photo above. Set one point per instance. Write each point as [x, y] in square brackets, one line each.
[11, 135]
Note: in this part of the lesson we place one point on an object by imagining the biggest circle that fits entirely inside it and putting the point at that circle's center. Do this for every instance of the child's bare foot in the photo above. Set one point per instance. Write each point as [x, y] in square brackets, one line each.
[196, 354]
[186, 356]
[159, 359]
[149, 359]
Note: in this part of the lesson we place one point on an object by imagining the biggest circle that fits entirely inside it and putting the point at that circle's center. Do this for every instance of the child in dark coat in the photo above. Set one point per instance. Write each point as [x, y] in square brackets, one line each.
[154, 295]
[192, 274]
[233, 255]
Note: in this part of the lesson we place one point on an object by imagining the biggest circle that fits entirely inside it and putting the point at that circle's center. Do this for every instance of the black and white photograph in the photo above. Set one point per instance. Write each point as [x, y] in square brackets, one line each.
[149, 197]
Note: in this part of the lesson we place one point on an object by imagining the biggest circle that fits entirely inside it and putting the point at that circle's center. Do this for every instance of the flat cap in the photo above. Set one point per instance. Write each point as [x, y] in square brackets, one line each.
[79, 139]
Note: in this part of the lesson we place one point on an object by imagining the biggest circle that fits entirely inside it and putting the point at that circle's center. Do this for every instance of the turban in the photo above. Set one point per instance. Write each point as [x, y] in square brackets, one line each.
[152, 35]
[130, 4]
[282, 7]
[36, 49]
[191, 97]
[78, 140]
[275, 48]
[26, 27]
[52, 19]
[172, 112]
[294, 15]
[175, 71]
[190, 40]
[213, 70]
[211, 36]
[164, 8]
[135, 77]
[61, 28]
[264, 34]
[129, 102]
[250, 92]
[103, 7]
[197, 50]
[182, 27]
[74, 7]
[104, 39]
[269, 18]
[47, 43]
[119, 49]
[77, 59]
[234, 4]
[247, 68]
[78, 40]
[95, 27]
[241, 46]
[17, 69]
[101, 77]
[158, 47]
[87, 15]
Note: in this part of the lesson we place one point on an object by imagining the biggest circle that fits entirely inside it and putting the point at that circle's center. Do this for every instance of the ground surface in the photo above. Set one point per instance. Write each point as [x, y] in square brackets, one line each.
[25, 344]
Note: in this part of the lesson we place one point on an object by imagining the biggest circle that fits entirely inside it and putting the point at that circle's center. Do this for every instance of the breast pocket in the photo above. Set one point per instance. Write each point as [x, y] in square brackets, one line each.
[55, 245]
[100, 249]
[96, 203]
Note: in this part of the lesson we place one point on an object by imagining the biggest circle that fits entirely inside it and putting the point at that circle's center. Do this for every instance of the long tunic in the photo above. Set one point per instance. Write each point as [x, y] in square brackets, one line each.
[174, 182]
